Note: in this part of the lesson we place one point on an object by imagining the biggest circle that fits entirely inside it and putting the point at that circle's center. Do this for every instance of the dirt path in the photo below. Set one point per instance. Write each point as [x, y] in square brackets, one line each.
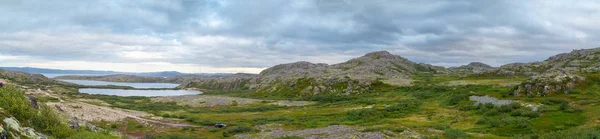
[91, 112]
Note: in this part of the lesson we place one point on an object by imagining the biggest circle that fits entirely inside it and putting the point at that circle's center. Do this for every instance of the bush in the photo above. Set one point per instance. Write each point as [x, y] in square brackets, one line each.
[455, 134]
[481, 121]
[553, 101]
[289, 137]
[92, 135]
[569, 134]
[364, 114]
[492, 112]
[213, 130]
[14, 101]
[49, 122]
[530, 114]
[266, 120]
[404, 106]
[237, 130]
[453, 100]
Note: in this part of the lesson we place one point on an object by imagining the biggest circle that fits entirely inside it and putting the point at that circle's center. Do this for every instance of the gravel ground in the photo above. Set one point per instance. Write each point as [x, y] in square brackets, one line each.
[90, 112]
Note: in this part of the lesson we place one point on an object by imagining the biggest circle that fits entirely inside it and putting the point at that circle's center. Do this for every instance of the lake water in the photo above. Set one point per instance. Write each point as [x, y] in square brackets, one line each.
[145, 93]
[134, 85]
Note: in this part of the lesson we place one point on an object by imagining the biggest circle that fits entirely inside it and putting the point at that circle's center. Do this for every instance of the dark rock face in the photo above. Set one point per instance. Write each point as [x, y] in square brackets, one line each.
[34, 102]
[4, 135]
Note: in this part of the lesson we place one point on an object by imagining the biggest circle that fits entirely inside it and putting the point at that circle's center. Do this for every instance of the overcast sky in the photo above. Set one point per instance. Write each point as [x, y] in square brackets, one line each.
[249, 35]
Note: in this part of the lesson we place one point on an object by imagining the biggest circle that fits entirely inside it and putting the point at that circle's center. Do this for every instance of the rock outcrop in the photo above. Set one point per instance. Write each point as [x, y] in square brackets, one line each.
[557, 74]
[13, 125]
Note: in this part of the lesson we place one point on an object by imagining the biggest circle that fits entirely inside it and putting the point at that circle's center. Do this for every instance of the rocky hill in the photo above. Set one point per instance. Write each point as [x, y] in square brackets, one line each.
[472, 68]
[27, 78]
[351, 77]
[557, 74]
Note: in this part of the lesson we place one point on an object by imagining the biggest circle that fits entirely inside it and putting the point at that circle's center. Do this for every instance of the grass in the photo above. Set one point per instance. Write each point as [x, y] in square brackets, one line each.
[45, 119]
[428, 104]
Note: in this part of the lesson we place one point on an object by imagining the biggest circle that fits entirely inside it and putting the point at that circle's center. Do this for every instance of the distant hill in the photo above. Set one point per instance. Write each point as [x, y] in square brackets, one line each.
[99, 72]
[558, 74]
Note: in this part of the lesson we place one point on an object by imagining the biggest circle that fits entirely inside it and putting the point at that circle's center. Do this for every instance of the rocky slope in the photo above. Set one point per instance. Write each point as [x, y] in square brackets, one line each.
[235, 81]
[472, 68]
[557, 74]
[26, 78]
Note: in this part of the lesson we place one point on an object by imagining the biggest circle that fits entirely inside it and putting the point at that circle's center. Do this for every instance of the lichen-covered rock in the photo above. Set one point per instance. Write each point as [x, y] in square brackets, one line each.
[13, 124]
[479, 100]
[557, 74]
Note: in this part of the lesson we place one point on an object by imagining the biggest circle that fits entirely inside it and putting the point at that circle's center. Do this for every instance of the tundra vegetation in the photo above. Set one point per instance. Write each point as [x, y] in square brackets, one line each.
[377, 95]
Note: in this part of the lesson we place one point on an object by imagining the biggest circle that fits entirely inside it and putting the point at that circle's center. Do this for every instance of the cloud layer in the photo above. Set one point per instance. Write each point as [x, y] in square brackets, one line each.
[247, 36]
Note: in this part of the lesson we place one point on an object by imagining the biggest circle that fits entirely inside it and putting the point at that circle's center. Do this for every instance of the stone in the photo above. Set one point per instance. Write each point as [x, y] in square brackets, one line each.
[74, 123]
[33, 101]
[3, 133]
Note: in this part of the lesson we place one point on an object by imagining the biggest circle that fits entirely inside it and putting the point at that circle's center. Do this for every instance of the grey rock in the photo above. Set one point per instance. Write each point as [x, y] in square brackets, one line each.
[34, 102]
[3, 133]
[480, 100]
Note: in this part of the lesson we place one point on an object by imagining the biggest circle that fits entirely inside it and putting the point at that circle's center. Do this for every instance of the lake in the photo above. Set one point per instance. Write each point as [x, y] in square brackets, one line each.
[145, 93]
[134, 85]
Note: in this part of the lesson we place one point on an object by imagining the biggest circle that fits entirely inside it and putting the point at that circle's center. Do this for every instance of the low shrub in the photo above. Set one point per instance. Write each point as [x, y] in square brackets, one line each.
[455, 134]
[237, 130]
[553, 101]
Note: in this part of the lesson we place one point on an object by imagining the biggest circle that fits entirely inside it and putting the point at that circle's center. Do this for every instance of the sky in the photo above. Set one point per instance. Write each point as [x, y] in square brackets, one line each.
[229, 36]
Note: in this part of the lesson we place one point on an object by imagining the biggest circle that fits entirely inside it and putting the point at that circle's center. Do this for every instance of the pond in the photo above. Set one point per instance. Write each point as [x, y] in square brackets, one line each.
[134, 85]
[145, 93]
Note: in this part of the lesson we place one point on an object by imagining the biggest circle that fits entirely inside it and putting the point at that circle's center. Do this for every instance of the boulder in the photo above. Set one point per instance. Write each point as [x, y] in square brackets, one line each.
[27, 132]
[74, 123]
[3, 133]
[59, 108]
[34, 102]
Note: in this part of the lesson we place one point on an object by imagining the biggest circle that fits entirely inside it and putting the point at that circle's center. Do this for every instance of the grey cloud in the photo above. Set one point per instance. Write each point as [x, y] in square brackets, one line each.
[263, 33]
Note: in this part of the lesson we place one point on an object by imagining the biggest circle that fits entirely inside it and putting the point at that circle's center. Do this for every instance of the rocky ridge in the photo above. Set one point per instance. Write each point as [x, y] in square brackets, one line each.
[354, 76]
[351, 77]
[557, 74]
